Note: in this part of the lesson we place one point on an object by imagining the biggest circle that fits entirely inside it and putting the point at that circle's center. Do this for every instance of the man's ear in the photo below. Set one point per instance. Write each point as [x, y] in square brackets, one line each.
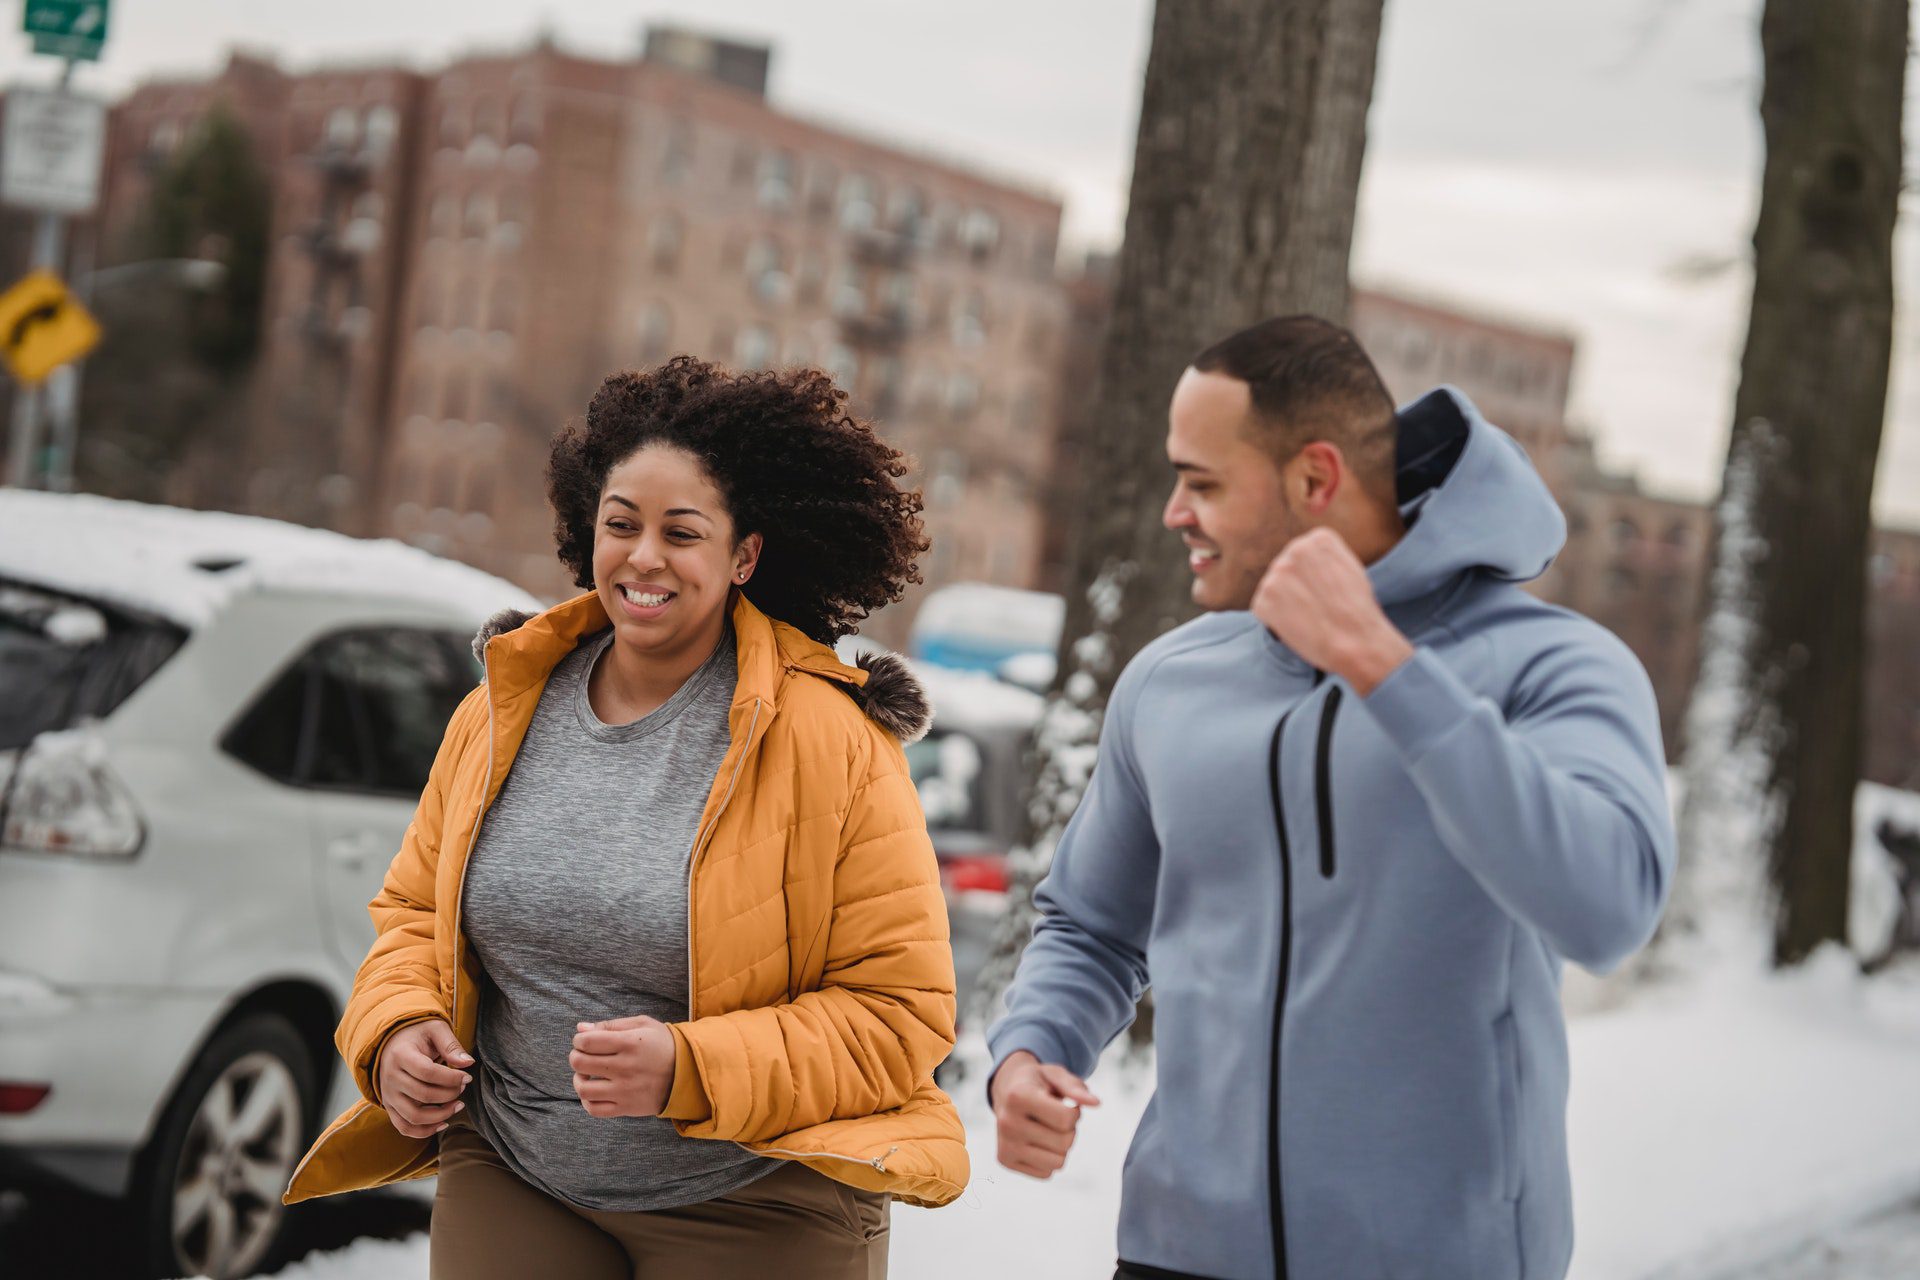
[1320, 471]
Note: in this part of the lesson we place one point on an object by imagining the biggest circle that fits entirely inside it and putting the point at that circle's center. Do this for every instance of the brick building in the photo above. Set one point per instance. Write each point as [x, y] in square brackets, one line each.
[460, 256]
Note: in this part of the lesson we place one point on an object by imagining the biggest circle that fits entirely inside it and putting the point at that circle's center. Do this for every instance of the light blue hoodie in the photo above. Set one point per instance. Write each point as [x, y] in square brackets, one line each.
[1353, 911]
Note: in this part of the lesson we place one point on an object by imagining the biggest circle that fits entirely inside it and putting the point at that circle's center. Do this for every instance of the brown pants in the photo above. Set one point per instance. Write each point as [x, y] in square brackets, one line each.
[793, 1223]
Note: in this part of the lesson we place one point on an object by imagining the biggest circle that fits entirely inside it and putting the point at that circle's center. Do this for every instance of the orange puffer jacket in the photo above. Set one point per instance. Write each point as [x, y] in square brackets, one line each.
[821, 979]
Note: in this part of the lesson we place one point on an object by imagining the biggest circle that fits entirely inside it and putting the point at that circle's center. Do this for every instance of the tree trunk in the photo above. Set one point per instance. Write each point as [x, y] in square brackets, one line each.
[1807, 420]
[1252, 128]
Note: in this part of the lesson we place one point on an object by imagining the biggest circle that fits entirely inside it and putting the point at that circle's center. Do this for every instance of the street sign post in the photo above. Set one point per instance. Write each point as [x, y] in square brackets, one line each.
[67, 28]
[51, 151]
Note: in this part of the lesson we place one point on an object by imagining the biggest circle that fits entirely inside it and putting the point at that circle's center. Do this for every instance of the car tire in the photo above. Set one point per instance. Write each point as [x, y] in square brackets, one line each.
[206, 1191]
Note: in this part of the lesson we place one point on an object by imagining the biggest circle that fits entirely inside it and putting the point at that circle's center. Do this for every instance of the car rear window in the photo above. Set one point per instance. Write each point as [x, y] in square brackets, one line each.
[64, 659]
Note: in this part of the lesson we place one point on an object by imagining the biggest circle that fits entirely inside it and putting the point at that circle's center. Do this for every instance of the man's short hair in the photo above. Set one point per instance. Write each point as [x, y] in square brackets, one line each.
[1311, 380]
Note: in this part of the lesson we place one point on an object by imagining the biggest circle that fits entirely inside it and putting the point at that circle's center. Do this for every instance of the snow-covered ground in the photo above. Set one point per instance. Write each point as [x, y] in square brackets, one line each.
[1715, 1122]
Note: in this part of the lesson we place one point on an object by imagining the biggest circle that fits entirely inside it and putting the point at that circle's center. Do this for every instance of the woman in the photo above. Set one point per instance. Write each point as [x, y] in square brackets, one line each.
[662, 974]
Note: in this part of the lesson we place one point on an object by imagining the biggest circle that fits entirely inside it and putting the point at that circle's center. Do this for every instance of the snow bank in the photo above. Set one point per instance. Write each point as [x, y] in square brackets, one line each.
[185, 565]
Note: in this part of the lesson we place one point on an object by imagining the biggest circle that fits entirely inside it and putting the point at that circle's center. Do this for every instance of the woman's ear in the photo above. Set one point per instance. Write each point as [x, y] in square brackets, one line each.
[745, 557]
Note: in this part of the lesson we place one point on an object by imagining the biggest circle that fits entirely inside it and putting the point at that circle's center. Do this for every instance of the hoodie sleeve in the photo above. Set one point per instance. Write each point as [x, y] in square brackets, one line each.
[1558, 806]
[1086, 966]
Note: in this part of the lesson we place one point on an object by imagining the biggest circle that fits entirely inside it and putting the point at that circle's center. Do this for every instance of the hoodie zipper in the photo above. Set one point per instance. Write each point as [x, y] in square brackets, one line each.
[1277, 1211]
[1323, 781]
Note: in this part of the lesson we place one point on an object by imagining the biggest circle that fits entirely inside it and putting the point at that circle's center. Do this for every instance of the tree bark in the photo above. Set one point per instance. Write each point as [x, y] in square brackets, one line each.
[1247, 164]
[1812, 399]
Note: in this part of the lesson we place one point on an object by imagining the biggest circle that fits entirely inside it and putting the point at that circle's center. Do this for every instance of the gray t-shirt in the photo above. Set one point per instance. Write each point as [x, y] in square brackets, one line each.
[576, 905]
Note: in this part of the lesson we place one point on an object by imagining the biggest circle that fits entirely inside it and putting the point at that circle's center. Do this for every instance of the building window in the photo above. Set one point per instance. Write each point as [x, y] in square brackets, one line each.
[664, 238]
[850, 291]
[676, 161]
[775, 189]
[857, 200]
[382, 130]
[754, 348]
[766, 269]
[823, 184]
[656, 332]
[343, 128]
[1624, 533]
[443, 217]
[481, 210]
[979, 233]
[949, 479]
[489, 120]
[906, 209]
[968, 320]
[526, 119]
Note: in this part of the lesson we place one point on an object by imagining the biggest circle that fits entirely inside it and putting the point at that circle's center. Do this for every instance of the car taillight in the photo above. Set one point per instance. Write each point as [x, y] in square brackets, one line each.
[18, 1099]
[62, 798]
[975, 871]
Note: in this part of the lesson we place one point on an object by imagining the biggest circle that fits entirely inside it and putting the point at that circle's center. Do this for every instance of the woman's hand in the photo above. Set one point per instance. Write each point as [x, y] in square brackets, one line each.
[419, 1084]
[623, 1067]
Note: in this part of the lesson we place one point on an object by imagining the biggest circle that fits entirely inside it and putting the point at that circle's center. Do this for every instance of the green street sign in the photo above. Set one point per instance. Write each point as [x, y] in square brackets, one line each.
[67, 28]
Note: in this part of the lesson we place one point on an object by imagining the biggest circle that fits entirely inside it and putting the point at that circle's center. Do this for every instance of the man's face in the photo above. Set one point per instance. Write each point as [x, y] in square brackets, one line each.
[1229, 502]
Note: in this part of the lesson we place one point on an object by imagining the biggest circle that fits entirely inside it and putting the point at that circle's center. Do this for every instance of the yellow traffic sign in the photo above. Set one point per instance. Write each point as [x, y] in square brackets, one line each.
[42, 326]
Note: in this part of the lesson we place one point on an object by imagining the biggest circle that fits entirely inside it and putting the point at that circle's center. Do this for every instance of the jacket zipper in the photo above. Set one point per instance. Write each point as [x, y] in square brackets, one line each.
[1277, 1211]
[473, 841]
[703, 837]
[1323, 781]
[878, 1163]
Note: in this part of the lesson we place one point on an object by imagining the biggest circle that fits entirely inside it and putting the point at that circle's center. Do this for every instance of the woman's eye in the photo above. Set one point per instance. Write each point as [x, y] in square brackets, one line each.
[682, 535]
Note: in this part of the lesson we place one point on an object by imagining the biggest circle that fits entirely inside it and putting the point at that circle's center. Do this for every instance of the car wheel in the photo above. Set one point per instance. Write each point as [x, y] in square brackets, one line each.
[207, 1195]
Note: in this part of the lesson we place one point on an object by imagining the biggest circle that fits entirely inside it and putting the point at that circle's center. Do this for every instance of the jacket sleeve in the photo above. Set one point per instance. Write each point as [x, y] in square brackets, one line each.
[400, 982]
[1558, 806]
[883, 1016]
[1082, 974]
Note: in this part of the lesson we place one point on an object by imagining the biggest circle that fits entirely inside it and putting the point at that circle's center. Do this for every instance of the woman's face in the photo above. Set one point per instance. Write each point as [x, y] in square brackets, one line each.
[665, 554]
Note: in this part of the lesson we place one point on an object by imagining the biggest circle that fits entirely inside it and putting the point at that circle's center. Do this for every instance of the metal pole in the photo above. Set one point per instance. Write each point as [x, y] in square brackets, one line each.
[22, 463]
[63, 384]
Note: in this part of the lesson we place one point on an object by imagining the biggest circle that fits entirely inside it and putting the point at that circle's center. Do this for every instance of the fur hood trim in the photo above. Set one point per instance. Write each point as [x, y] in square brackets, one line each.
[892, 697]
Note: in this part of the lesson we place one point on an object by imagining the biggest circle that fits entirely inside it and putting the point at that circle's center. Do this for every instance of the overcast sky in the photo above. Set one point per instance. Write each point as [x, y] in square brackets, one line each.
[1561, 162]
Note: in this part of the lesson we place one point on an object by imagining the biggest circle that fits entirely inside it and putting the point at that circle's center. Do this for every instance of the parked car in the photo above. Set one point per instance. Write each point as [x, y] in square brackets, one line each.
[213, 732]
[971, 771]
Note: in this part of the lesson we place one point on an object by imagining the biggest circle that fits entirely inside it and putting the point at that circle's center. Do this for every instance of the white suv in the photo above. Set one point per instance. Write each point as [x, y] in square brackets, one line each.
[213, 731]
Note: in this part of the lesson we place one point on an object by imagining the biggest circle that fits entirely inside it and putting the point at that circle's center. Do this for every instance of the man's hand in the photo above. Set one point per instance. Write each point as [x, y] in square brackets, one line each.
[418, 1077]
[1316, 599]
[622, 1067]
[1037, 1107]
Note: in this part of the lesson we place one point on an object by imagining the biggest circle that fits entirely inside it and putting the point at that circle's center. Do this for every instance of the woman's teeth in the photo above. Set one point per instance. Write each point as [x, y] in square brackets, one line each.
[645, 599]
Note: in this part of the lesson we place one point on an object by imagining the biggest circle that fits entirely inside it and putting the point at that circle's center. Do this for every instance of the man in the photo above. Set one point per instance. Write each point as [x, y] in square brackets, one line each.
[1349, 824]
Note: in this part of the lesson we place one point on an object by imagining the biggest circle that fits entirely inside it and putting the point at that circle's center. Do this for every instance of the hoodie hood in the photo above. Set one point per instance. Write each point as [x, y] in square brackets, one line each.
[1476, 503]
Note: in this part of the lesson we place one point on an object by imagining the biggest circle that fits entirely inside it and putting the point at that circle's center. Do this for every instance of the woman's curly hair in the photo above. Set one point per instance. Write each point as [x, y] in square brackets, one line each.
[791, 463]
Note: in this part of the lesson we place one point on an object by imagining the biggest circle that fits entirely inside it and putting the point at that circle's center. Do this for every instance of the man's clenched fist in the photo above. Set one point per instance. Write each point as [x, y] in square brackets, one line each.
[1317, 600]
[1037, 1107]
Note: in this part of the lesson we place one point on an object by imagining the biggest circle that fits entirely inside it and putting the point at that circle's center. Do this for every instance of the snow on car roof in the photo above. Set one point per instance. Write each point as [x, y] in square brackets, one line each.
[186, 565]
